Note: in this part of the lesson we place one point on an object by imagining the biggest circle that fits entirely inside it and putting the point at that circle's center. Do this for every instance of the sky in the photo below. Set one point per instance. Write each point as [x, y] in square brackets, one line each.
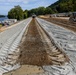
[6, 5]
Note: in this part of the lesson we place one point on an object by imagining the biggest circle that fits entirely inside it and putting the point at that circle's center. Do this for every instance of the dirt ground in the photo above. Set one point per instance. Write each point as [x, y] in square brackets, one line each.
[26, 70]
[62, 22]
[33, 50]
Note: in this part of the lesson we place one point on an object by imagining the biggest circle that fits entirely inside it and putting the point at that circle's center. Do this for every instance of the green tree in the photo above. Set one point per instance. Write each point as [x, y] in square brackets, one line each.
[48, 10]
[16, 13]
[37, 11]
[41, 10]
[33, 11]
[64, 6]
[74, 5]
[25, 14]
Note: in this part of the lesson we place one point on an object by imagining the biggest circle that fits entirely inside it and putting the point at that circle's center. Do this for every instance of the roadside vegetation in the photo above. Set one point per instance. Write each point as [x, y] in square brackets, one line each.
[64, 6]
[0, 25]
[19, 14]
[2, 16]
[58, 7]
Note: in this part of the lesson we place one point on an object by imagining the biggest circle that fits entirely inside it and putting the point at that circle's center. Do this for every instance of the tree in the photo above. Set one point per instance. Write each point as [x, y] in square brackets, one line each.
[33, 11]
[41, 10]
[16, 13]
[48, 10]
[74, 5]
[25, 14]
[37, 11]
[64, 6]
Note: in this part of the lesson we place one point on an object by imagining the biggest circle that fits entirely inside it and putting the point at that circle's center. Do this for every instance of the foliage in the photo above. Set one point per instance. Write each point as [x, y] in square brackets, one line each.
[0, 25]
[19, 14]
[2, 16]
[41, 11]
[49, 11]
[64, 6]
[25, 14]
[58, 7]
[33, 11]
[16, 13]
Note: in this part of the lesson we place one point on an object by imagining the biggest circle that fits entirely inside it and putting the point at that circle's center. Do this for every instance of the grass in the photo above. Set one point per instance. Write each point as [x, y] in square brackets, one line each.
[0, 25]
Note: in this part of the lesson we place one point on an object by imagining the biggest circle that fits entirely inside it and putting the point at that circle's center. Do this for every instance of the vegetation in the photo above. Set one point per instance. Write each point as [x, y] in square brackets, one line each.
[0, 25]
[48, 10]
[41, 11]
[16, 13]
[58, 7]
[25, 14]
[2, 16]
[19, 14]
[37, 11]
[64, 6]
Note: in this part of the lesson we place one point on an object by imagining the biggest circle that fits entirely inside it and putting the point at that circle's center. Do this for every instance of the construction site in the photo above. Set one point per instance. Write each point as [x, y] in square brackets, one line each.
[40, 45]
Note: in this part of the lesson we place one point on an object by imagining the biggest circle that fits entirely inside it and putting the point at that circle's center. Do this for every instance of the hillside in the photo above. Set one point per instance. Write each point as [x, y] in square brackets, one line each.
[64, 6]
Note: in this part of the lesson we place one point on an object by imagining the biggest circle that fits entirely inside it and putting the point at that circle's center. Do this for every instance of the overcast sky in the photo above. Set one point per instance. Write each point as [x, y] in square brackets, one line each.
[6, 5]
